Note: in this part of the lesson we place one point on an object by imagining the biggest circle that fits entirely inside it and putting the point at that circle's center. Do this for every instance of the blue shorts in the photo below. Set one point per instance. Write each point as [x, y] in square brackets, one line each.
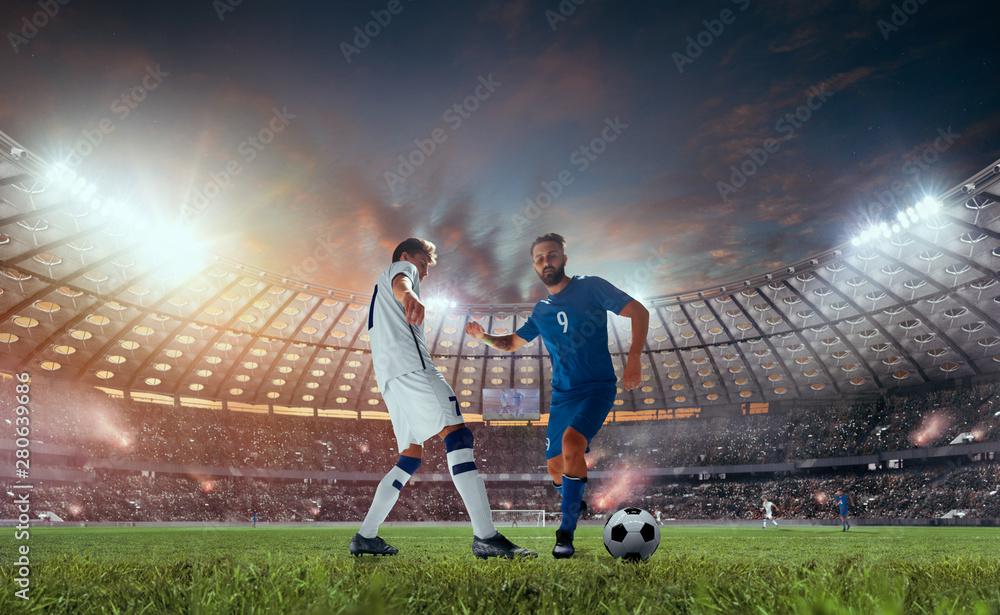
[843, 512]
[584, 411]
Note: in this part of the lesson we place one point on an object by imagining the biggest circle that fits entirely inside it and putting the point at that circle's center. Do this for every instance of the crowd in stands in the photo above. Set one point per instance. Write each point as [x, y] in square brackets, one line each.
[928, 492]
[809, 432]
[104, 428]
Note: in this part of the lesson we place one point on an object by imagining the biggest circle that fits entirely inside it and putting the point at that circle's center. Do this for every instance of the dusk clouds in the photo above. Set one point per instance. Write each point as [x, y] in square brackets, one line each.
[477, 113]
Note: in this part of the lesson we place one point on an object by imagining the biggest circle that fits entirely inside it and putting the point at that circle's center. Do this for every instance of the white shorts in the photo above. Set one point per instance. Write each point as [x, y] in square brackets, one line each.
[420, 404]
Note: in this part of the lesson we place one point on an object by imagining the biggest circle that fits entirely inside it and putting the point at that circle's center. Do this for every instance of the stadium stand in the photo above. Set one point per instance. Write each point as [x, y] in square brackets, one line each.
[92, 429]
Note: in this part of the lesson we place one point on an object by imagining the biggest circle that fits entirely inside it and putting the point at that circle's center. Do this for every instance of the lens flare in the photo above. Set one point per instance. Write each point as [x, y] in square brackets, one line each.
[594, 457]
[931, 428]
[623, 489]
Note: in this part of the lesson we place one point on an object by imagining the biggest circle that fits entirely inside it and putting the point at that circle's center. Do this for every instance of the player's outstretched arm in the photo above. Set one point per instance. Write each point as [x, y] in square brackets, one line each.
[508, 343]
[639, 315]
[402, 290]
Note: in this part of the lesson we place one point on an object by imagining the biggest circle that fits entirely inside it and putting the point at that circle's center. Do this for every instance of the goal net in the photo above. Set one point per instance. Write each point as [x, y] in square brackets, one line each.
[519, 518]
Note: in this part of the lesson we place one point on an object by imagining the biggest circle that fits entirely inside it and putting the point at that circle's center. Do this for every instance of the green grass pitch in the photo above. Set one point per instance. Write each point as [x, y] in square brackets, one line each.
[695, 570]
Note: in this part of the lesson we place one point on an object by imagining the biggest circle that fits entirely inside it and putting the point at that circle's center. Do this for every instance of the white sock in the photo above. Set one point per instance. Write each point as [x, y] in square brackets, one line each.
[385, 498]
[471, 487]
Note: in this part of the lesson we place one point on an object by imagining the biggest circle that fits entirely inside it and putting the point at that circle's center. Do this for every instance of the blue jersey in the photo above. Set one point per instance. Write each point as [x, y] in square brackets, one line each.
[574, 327]
[841, 501]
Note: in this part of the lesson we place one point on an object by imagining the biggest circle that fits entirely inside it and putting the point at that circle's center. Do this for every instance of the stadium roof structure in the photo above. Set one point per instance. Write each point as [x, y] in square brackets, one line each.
[83, 298]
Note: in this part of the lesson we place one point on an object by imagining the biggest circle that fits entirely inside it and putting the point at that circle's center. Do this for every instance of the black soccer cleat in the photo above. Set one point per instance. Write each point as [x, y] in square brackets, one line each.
[498, 546]
[371, 546]
[564, 545]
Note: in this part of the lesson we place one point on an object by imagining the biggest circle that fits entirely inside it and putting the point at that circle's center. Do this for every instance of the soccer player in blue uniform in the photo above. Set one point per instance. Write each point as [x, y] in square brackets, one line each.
[573, 323]
[841, 502]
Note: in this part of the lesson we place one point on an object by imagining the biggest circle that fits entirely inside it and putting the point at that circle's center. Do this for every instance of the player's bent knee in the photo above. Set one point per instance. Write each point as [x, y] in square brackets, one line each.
[573, 440]
[459, 439]
[459, 451]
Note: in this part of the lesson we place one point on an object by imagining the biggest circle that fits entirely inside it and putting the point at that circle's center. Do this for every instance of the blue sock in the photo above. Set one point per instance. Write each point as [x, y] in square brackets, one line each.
[558, 488]
[572, 492]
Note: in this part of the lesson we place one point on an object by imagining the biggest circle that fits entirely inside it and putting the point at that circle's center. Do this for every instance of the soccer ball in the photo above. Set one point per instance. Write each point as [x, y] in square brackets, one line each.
[632, 534]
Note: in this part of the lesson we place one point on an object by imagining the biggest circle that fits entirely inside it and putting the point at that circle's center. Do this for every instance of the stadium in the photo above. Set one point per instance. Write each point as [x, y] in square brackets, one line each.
[221, 392]
[189, 431]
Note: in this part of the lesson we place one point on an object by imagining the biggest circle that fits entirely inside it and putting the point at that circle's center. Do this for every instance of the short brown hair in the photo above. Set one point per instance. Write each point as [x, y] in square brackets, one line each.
[556, 237]
[414, 245]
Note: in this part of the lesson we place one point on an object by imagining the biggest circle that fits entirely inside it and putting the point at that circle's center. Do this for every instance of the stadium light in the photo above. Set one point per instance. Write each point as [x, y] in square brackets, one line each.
[77, 184]
[928, 207]
[88, 193]
[59, 173]
[184, 255]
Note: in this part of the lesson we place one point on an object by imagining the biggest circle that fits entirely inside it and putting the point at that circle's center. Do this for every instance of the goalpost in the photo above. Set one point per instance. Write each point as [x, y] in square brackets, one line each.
[518, 518]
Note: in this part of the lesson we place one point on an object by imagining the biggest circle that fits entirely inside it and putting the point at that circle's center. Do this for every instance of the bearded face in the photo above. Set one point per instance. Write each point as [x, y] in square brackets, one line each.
[549, 263]
[551, 276]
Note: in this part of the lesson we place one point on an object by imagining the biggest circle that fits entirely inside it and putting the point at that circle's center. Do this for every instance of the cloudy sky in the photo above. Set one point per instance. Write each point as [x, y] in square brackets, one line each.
[692, 142]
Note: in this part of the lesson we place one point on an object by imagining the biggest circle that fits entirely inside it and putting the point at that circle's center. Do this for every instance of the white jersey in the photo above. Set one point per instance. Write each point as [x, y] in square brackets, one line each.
[397, 348]
[767, 508]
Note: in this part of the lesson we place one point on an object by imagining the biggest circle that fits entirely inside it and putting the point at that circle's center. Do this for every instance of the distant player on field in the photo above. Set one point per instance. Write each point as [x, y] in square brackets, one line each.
[841, 502]
[504, 402]
[768, 507]
[573, 323]
[421, 405]
[517, 397]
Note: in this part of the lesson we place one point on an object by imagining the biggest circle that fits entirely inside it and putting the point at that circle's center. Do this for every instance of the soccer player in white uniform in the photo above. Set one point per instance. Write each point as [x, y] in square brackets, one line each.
[768, 505]
[421, 405]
